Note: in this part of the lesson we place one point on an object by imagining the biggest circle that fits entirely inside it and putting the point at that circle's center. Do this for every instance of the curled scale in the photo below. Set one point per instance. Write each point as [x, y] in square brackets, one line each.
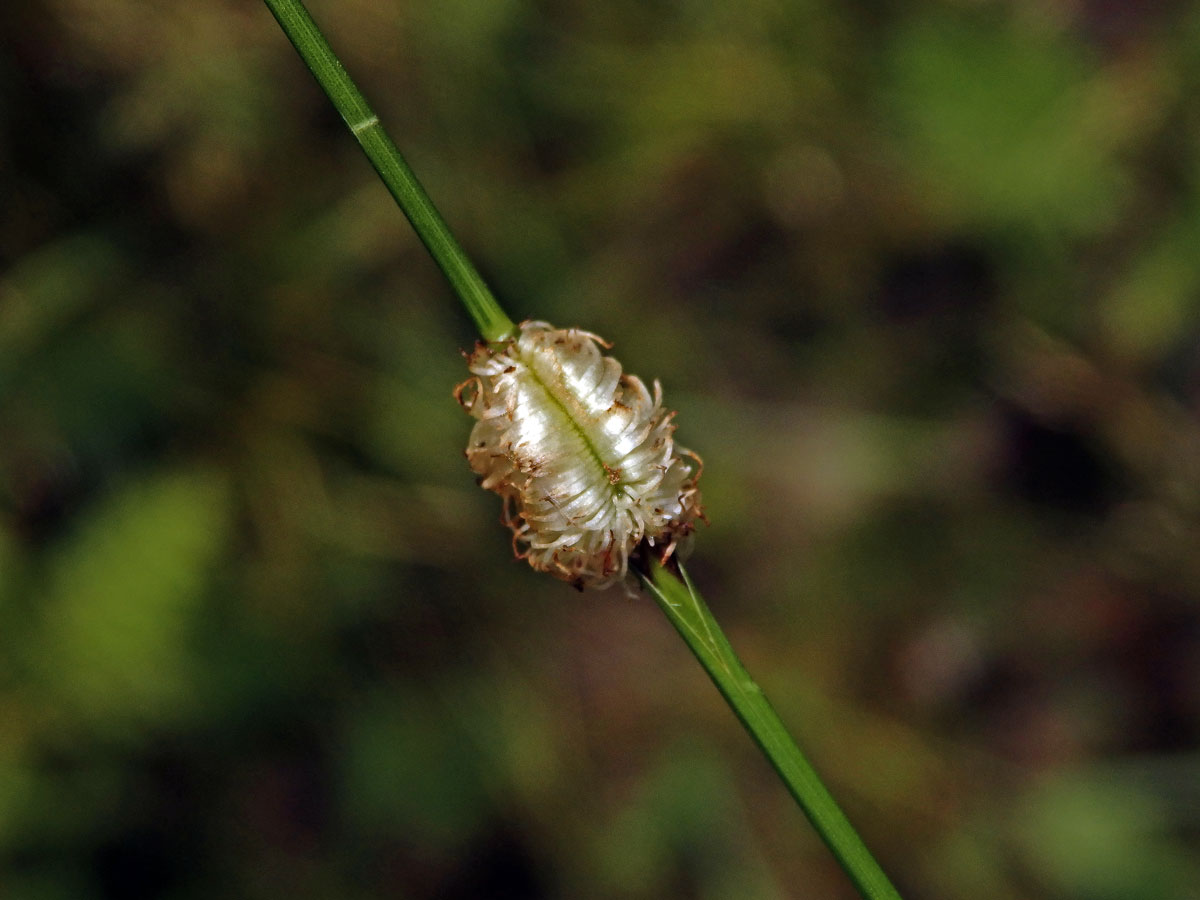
[581, 453]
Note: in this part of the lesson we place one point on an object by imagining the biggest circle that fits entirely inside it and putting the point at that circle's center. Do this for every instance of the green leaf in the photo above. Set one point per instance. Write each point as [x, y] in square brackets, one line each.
[113, 644]
[1001, 126]
[1156, 302]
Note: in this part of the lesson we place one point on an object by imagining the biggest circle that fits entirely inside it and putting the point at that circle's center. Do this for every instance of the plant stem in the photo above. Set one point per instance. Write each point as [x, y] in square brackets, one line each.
[684, 606]
[679, 600]
[364, 124]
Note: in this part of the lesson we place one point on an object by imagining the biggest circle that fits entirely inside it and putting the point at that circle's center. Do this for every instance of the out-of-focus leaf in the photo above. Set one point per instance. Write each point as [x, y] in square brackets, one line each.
[113, 648]
[16, 786]
[47, 289]
[406, 772]
[103, 386]
[12, 567]
[1158, 299]
[824, 229]
[684, 810]
[1103, 839]
[1001, 126]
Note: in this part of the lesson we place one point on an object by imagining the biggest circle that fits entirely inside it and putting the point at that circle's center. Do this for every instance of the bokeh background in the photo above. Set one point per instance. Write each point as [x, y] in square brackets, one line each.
[922, 280]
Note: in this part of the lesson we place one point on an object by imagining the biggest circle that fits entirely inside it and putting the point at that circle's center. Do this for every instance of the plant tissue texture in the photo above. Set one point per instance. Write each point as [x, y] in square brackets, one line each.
[581, 453]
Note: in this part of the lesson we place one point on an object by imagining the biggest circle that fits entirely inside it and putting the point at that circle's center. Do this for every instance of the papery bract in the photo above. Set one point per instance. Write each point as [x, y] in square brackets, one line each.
[581, 453]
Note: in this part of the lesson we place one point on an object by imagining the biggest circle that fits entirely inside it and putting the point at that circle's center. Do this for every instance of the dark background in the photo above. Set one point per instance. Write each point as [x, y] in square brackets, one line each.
[922, 281]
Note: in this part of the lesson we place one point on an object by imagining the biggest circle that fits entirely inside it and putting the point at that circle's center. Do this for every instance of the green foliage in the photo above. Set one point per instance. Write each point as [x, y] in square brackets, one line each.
[921, 282]
[1158, 297]
[1073, 824]
[1007, 124]
[112, 643]
[408, 774]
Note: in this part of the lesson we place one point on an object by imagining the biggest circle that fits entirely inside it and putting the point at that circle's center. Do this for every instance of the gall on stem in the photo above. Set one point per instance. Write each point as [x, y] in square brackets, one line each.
[581, 453]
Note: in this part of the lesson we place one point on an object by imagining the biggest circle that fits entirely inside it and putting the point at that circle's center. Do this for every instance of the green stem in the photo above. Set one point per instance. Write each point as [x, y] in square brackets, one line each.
[364, 124]
[679, 600]
[687, 611]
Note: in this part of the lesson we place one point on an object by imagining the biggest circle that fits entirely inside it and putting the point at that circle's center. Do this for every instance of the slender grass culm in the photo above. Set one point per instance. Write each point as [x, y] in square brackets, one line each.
[597, 489]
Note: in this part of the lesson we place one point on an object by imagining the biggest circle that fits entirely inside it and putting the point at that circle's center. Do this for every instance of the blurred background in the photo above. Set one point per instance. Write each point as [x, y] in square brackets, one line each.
[922, 280]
